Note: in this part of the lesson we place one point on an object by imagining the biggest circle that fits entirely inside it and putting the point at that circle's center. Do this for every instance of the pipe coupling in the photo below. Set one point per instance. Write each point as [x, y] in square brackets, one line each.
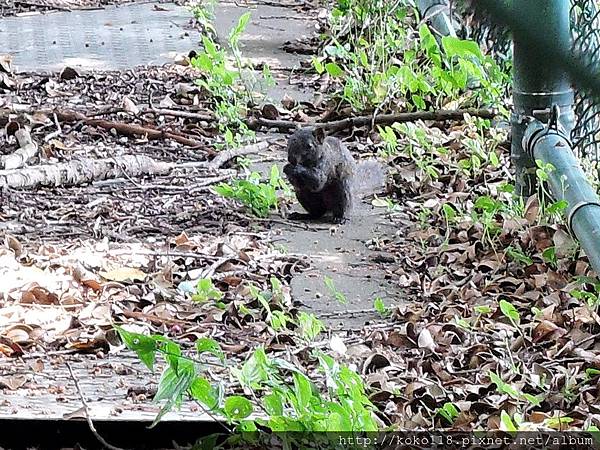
[536, 130]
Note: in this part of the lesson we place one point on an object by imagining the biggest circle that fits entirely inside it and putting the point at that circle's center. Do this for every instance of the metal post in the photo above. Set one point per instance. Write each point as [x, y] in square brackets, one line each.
[567, 182]
[539, 82]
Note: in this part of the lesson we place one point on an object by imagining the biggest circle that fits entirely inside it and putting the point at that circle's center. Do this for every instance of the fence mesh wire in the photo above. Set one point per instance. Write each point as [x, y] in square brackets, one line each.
[585, 27]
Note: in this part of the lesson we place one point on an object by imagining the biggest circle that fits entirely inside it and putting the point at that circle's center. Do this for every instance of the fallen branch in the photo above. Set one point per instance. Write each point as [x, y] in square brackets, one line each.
[86, 170]
[27, 150]
[82, 171]
[225, 155]
[126, 128]
[383, 119]
[178, 113]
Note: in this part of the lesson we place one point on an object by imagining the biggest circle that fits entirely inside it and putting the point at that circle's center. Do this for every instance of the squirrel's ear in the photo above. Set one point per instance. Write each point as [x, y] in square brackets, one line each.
[319, 134]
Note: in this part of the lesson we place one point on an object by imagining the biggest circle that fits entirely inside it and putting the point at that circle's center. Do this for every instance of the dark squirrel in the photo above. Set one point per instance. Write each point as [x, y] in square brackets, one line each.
[326, 177]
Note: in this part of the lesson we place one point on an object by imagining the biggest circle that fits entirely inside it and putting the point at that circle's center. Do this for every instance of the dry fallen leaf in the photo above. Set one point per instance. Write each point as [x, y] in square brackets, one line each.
[426, 340]
[124, 274]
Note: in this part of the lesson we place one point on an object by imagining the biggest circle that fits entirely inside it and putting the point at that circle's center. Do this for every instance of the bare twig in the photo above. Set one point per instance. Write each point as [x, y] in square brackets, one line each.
[86, 408]
[179, 113]
[226, 155]
[222, 157]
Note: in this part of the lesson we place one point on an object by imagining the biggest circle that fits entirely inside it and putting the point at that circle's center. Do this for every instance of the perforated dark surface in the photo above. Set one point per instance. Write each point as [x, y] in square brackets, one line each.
[113, 38]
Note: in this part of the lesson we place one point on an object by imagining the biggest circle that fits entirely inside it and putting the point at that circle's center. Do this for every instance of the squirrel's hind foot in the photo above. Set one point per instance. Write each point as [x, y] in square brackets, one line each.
[339, 220]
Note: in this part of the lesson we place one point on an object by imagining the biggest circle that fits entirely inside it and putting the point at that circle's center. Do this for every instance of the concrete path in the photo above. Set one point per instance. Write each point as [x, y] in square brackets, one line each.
[112, 38]
[337, 252]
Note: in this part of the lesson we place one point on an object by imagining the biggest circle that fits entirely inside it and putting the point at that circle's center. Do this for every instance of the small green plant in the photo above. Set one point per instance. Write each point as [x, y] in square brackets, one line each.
[204, 13]
[287, 399]
[449, 412]
[517, 255]
[310, 326]
[483, 309]
[386, 202]
[380, 307]
[423, 216]
[260, 197]
[510, 312]
[272, 303]
[505, 388]
[591, 296]
[486, 212]
[231, 87]
[206, 291]
[549, 256]
[339, 296]
[375, 58]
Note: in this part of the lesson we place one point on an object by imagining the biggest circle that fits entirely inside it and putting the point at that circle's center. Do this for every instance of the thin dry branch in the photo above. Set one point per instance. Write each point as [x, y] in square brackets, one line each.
[178, 113]
[126, 128]
[226, 155]
[86, 408]
[383, 119]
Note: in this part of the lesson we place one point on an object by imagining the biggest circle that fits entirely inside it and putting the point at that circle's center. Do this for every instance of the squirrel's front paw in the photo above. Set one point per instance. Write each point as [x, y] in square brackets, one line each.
[298, 216]
[339, 220]
[289, 170]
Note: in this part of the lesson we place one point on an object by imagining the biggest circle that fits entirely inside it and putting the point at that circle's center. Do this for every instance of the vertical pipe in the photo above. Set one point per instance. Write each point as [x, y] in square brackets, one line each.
[539, 82]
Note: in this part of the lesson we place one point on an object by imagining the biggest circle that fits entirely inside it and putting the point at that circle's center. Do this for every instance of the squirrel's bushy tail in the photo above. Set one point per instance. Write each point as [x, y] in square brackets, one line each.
[369, 177]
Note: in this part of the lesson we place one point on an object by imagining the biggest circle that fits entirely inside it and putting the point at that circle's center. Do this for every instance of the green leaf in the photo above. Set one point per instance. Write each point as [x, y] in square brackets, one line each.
[237, 407]
[557, 207]
[482, 309]
[211, 346]
[591, 372]
[510, 311]
[172, 352]
[302, 392]
[503, 387]
[273, 404]
[418, 101]
[340, 297]
[457, 47]
[203, 391]
[318, 65]
[507, 422]
[172, 386]
[380, 307]
[334, 70]
[533, 399]
[449, 412]
[519, 256]
[144, 346]
[549, 255]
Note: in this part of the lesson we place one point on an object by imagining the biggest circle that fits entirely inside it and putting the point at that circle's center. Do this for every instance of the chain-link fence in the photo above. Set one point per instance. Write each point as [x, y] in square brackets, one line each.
[585, 29]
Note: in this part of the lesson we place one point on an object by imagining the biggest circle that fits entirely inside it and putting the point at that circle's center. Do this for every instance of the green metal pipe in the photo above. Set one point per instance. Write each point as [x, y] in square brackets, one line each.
[568, 182]
[539, 83]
